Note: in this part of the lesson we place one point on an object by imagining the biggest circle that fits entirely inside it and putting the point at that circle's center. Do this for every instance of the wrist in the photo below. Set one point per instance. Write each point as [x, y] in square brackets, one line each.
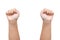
[12, 21]
[47, 21]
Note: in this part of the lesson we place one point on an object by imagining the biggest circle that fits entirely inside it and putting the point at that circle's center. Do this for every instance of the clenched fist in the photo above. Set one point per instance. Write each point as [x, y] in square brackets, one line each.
[12, 14]
[47, 15]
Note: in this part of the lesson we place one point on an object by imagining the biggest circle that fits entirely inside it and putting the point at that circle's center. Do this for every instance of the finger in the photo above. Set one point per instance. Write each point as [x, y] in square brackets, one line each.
[15, 11]
[48, 12]
[9, 12]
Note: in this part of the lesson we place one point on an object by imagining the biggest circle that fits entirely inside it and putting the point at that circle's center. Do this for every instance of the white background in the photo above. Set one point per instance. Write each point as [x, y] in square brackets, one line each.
[30, 22]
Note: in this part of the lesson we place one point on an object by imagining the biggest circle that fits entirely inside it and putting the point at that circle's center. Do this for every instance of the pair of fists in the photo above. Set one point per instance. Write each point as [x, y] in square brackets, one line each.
[13, 14]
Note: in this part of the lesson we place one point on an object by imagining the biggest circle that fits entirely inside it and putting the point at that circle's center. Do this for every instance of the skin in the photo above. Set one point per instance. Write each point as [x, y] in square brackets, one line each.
[12, 16]
[46, 16]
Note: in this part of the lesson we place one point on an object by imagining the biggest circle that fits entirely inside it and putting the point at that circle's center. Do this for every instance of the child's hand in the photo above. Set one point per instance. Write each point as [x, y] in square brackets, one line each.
[47, 15]
[12, 14]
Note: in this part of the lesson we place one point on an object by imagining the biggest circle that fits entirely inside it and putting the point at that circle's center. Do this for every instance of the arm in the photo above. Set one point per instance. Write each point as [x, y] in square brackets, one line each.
[13, 31]
[46, 27]
[46, 31]
[12, 16]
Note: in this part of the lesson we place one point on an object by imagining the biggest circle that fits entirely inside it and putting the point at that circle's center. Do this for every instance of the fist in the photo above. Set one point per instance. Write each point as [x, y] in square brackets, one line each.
[12, 14]
[47, 14]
